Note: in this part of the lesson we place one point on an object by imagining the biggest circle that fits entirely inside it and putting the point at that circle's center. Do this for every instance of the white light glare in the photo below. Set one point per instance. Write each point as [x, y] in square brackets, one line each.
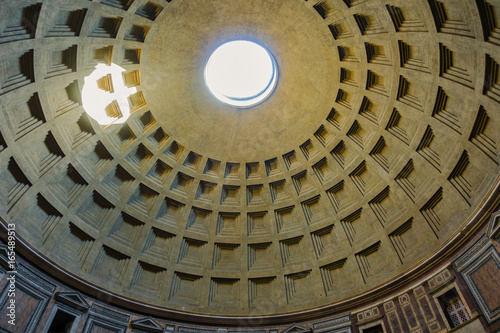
[95, 100]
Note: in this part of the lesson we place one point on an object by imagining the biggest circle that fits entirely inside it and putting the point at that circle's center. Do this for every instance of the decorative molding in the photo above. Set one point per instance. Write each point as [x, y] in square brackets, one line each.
[333, 324]
[471, 252]
[439, 281]
[147, 324]
[494, 226]
[109, 314]
[368, 316]
[487, 254]
[73, 300]
[297, 329]
[34, 286]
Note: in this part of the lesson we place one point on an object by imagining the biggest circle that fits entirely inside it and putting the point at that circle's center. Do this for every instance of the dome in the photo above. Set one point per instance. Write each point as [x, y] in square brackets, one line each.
[364, 168]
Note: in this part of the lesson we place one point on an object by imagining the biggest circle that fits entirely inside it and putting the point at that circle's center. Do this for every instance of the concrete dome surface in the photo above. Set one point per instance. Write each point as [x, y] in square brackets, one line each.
[367, 165]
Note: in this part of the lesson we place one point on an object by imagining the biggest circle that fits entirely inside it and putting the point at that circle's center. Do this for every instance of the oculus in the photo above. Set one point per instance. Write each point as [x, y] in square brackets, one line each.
[241, 73]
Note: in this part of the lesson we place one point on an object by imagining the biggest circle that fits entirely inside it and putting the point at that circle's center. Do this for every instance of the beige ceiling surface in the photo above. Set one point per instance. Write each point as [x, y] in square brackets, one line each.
[180, 45]
[378, 145]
